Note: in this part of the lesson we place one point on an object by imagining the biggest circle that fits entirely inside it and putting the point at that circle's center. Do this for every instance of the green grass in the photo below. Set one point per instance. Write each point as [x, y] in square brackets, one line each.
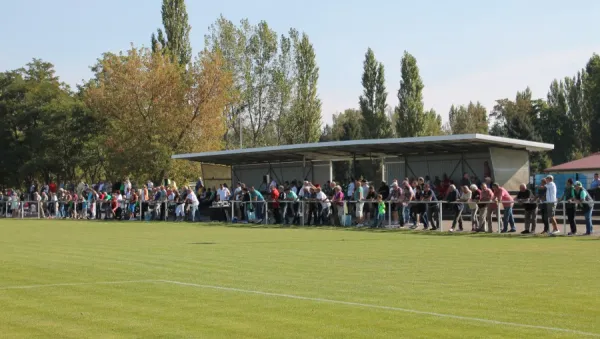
[539, 281]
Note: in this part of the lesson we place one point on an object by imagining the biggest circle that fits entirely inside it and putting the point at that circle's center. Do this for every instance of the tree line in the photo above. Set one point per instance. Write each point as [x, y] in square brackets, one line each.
[249, 86]
[566, 118]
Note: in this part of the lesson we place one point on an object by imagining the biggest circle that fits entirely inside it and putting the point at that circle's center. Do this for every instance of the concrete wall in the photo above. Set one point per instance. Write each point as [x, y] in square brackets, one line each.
[510, 167]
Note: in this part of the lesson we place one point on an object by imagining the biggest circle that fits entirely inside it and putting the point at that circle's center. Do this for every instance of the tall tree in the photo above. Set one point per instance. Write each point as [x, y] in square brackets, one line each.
[176, 36]
[284, 82]
[154, 112]
[231, 42]
[411, 120]
[591, 86]
[410, 96]
[373, 100]
[519, 119]
[431, 124]
[468, 119]
[303, 124]
[259, 70]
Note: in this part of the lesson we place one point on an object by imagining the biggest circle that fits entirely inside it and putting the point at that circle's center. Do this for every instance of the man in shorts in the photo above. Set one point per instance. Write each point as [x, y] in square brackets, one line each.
[359, 197]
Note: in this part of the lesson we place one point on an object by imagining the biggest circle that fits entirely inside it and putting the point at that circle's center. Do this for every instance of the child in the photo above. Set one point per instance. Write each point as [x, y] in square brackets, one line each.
[380, 211]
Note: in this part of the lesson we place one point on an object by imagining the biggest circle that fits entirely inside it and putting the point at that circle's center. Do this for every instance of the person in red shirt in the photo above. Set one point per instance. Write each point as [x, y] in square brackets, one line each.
[275, 203]
[52, 187]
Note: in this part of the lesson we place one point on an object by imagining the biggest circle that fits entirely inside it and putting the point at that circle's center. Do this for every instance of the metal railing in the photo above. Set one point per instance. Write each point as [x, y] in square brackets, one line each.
[303, 212]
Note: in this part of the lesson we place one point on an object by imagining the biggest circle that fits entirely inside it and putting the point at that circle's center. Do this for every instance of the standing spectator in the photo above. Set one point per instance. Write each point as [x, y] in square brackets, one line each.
[370, 208]
[466, 180]
[457, 207]
[541, 196]
[526, 197]
[274, 203]
[359, 197]
[475, 197]
[380, 211]
[503, 197]
[595, 187]
[431, 209]
[569, 206]
[325, 205]
[258, 200]
[586, 202]
[409, 195]
[551, 201]
[192, 201]
[199, 185]
[395, 199]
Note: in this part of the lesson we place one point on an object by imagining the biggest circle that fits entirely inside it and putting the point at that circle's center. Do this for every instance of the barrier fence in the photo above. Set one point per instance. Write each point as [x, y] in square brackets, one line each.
[301, 212]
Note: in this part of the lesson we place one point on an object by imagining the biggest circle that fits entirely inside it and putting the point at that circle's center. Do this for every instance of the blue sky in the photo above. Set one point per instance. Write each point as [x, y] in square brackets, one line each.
[466, 50]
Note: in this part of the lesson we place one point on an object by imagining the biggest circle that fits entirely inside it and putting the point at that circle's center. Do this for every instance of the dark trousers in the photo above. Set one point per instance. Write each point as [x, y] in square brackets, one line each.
[570, 211]
[544, 212]
[433, 216]
[457, 218]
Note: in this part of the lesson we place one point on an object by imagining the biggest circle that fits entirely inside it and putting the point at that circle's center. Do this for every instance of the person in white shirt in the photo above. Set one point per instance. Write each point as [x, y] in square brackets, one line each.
[193, 202]
[223, 193]
[325, 205]
[551, 202]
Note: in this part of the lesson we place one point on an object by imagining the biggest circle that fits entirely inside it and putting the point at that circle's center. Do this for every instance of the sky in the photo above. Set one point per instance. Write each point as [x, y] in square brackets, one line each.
[466, 50]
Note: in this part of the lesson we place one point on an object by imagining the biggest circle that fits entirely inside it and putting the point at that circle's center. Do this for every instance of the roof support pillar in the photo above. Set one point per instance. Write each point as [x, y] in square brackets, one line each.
[330, 171]
[383, 174]
[354, 166]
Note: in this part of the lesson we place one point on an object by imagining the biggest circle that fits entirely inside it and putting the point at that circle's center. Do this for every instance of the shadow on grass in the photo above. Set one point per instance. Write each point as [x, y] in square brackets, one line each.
[397, 231]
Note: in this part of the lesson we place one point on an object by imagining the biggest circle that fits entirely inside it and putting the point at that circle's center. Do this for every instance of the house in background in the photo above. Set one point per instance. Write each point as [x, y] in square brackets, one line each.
[582, 170]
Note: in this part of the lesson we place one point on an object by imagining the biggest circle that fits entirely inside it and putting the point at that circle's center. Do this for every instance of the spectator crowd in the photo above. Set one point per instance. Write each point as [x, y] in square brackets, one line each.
[410, 203]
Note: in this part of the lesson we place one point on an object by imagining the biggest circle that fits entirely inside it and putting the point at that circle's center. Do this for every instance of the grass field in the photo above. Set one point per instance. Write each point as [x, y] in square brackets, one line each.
[63, 279]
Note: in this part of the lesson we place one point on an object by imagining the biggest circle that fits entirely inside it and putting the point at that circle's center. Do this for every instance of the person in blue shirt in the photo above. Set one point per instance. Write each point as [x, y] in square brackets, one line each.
[258, 200]
[595, 187]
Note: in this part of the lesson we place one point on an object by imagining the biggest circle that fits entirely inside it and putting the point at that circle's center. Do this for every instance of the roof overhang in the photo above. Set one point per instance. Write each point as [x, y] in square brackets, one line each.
[372, 148]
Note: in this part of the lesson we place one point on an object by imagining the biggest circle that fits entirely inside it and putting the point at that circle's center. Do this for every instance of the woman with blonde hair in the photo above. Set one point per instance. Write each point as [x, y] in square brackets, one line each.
[475, 197]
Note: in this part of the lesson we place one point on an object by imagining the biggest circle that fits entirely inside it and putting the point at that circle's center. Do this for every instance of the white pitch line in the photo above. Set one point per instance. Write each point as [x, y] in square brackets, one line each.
[77, 284]
[389, 308]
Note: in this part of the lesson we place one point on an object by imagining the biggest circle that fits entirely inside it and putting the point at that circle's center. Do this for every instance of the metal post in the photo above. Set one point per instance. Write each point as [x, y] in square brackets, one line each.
[389, 214]
[564, 208]
[498, 216]
[440, 219]
[38, 208]
[302, 212]
[232, 208]
[266, 213]
[330, 171]
[22, 209]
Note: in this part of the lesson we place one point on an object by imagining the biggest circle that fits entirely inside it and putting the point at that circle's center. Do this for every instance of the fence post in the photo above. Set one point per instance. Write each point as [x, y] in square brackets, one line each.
[498, 216]
[564, 212]
[232, 208]
[22, 207]
[389, 214]
[266, 213]
[440, 219]
[302, 212]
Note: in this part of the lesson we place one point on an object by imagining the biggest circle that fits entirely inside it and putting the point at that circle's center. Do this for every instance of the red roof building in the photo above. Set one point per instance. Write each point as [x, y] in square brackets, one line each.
[587, 164]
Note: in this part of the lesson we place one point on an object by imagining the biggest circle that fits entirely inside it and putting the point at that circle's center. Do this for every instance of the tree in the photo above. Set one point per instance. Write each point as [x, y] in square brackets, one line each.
[410, 96]
[303, 124]
[591, 86]
[468, 119]
[431, 124]
[176, 36]
[284, 83]
[231, 42]
[373, 101]
[45, 127]
[154, 112]
[411, 120]
[519, 119]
